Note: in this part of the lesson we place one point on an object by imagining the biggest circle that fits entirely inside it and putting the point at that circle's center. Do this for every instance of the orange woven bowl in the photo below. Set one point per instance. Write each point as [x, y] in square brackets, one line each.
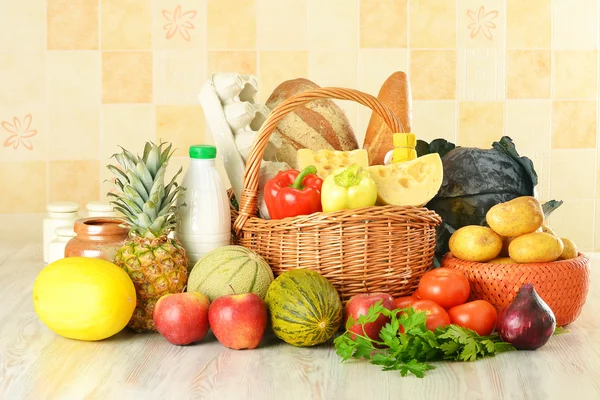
[563, 285]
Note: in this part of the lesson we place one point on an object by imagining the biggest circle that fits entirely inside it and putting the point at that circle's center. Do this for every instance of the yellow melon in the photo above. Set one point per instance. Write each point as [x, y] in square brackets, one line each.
[84, 298]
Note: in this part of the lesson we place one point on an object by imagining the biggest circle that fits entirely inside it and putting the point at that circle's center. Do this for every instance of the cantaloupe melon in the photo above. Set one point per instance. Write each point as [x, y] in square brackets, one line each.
[230, 270]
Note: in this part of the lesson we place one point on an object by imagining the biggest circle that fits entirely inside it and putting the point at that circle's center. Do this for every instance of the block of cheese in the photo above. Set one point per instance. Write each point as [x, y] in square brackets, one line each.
[409, 183]
[328, 161]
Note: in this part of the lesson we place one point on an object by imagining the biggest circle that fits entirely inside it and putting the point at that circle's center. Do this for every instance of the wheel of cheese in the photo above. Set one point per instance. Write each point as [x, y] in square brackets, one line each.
[317, 125]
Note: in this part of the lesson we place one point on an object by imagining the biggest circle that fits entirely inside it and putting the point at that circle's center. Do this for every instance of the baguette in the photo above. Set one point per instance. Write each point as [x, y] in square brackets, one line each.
[396, 95]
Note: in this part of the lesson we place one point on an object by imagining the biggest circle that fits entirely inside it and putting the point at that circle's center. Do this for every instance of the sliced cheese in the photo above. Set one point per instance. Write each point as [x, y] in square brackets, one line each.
[328, 161]
[410, 183]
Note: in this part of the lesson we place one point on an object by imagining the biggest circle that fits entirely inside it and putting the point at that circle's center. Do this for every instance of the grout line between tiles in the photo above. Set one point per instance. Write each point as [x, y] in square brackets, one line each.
[456, 72]
[548, 175]
[47, 107]
[101, 107]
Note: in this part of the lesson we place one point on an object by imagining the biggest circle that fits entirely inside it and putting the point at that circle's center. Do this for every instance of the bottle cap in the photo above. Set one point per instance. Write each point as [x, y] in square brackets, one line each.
[62, 207]
[99, 206]
[404, 140]
[203, 151]
[65, 231]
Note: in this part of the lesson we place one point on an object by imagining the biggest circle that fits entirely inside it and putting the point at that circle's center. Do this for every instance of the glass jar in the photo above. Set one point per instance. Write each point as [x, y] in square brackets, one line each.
[56, 248]
[60, 214]
[100, 209]
[97, 237]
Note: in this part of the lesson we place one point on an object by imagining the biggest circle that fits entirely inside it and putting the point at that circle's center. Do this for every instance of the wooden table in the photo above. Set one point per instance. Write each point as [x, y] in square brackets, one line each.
[37, 364]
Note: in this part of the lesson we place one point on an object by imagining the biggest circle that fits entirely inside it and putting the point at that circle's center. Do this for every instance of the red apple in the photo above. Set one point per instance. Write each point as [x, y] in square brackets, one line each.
[238, 320]
[359, 305]
[182, 318]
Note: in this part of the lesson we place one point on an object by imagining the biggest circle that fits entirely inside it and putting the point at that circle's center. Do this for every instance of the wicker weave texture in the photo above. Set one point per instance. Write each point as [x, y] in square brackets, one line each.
[563, 285]
[372, 249]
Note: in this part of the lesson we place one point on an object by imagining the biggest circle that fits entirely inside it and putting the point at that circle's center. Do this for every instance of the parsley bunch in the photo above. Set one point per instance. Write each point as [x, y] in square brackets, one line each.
[413, 350]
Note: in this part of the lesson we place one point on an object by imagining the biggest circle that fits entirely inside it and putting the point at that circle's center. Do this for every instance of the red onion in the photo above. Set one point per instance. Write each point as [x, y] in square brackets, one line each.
[527, 322]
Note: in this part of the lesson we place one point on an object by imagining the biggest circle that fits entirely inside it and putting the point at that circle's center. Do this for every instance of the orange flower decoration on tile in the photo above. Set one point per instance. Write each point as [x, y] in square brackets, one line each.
[482, 22]
[19, 132]
[179, 22]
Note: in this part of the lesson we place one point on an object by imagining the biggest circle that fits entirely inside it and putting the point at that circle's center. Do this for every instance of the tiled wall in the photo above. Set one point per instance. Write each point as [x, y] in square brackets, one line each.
[78, 77]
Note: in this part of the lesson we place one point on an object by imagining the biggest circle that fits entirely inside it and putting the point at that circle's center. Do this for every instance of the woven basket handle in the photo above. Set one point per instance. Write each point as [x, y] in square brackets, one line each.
[249, 197]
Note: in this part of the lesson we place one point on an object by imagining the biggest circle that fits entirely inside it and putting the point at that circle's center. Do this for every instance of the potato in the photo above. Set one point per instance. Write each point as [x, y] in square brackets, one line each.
[535, 247]
[502, 260]
[505, 243]
[516, 217]
[569, 251]
[546, 228]
[475, 243]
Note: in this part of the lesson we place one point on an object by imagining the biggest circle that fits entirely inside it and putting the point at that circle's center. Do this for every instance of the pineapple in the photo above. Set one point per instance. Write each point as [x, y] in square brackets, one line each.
[156, 263]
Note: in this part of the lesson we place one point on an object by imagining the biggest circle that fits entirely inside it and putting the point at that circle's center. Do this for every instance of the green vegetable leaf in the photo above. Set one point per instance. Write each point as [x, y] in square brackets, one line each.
[440, 146]
[416, 368]
[507, 147]
[502, 347]
[343, 347]
[363, 348]
[560, 330]
[549, 207]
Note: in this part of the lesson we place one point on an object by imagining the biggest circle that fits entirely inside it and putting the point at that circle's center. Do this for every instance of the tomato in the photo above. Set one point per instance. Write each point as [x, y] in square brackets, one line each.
[445, 286]
[403, 302]
[416, 295]
[478, 315]
[436, 315]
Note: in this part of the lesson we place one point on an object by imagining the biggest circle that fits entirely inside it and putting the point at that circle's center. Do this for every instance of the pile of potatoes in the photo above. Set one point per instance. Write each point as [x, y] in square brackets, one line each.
[516, 234]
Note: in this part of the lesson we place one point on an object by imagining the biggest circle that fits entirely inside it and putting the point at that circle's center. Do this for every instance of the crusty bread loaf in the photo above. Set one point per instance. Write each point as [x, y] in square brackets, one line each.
[317, 125]
[395, 94]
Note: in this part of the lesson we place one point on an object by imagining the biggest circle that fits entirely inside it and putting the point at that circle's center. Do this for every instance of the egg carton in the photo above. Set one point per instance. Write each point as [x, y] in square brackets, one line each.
[234, 118]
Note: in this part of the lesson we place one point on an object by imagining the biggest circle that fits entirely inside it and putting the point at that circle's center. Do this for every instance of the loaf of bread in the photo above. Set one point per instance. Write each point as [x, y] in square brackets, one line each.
[319, 124]
[395, 94]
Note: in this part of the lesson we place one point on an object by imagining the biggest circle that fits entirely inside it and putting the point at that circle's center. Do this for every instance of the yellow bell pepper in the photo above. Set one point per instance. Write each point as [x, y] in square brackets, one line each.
[348, 188]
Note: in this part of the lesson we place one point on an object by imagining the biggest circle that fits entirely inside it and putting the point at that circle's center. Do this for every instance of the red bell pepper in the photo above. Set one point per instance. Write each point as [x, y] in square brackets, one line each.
[291, 193]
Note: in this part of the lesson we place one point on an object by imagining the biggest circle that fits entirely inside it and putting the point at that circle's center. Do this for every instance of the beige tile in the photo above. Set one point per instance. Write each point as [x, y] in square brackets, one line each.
[597, 225]
[243, 62]
[575, 74]
[231, 24]
[126, 77]
[330, 68]
[25, 20]
[72, 24]
[181, 125]
[23, 133]
[575, 24]
[529, 125]
[434, 119]
[178, 76]
[575, 220]
[383, 23]
[433, 74]
[74, 77]
[481, 74]
[280, 66]
[480, 124]
[332, 24]
[27, 181]
[481, 24]
[574, 124]
[376, 65]
[565, 165]
[528, 74]
[541, 164]
[127, 125]
[126, 24]
[281, 25]
[432, 24]
[179, 24]
[528, 24]
[22, 78]
[74, 133]
[77, 181]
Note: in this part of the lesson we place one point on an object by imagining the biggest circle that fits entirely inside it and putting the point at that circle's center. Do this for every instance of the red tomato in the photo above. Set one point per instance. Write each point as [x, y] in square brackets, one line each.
[436, 315]
[416, 295]
[403, 302]
[478, 315]
[445, 286]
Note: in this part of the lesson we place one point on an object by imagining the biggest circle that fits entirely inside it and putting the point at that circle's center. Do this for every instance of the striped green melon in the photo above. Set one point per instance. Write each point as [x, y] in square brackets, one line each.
[305, 308]
[229, 270]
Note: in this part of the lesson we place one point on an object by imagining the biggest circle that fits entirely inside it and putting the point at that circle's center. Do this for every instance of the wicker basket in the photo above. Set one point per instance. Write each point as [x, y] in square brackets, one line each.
[372, 249]
[563, 285]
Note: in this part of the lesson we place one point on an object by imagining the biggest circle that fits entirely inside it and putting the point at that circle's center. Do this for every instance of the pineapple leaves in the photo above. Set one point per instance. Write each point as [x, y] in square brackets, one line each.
[142, 172]
[117, 172]
[153, 161]
[132, 196]
[149, 209]
[166, 154]
[137, 185]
